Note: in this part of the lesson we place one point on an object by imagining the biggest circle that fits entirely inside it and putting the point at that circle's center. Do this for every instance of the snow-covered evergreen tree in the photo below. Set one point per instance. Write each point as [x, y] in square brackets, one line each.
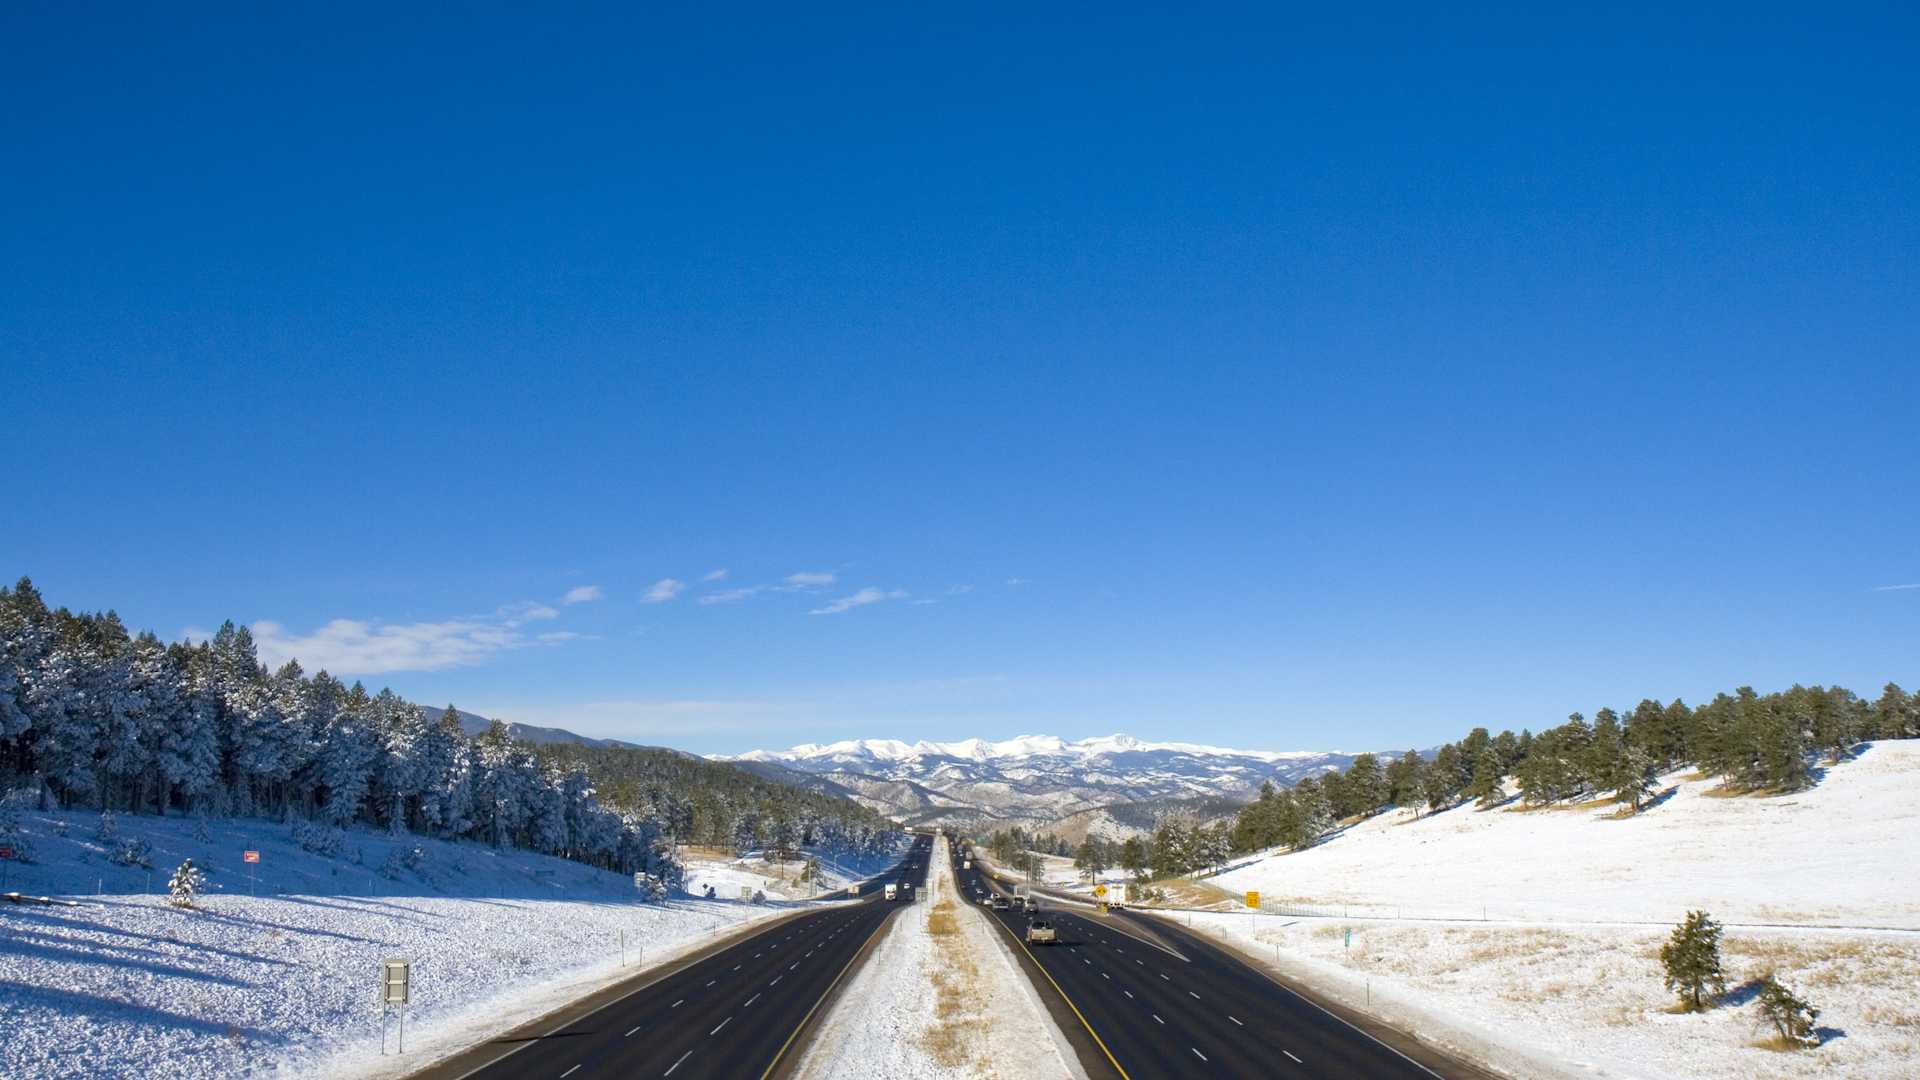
[186, 885]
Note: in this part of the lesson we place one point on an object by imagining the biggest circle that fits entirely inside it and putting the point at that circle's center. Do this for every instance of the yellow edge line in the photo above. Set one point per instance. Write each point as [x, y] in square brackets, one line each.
[824, 995]
[1063, 997]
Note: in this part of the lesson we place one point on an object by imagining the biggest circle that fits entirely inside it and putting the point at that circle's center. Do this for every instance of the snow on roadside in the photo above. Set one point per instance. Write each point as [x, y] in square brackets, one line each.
[1536, 946]
[1540, 1000]
[285, 983]
[938, 999]
[780, 879]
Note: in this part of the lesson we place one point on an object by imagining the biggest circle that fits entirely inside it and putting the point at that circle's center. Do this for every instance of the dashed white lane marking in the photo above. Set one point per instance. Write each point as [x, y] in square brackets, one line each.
[1197, 1053]
[1129, 993]
[793, 965]
[1193, 995]
[722, 1024]
[1157, 1020]
[1104, 975]
[1235, 1019]
[736, 967]
[629, 1034]
[570, 1072]
[751, 1000]
[1289, 1053]
[676, 1064]
[1164, 976]
[776, 980]
[710, 982]
[677, 1004]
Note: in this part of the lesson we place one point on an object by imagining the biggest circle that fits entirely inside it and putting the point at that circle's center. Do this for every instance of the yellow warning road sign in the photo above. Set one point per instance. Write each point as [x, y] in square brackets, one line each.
[1253, 898]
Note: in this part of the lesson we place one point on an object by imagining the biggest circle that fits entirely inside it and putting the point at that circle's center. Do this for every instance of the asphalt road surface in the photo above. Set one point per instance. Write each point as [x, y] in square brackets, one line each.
[740, 1012]
[1160, 1002]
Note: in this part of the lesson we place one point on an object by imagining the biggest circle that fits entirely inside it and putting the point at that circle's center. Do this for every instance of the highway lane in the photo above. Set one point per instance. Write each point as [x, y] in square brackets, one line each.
[1163, 1003]
[742, 1011]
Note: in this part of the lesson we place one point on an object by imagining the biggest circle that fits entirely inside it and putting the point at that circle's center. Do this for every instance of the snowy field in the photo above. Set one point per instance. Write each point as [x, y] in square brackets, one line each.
[1563, 977]
[939, 999]
[284, 983]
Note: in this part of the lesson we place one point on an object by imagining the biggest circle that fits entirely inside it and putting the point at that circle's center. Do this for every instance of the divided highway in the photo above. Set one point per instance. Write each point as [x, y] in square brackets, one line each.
[738, 1012]
[1160, 1002]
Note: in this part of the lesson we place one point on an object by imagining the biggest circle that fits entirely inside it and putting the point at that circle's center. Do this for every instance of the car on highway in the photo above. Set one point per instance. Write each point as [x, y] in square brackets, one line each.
[999, 903]
[1040, 932]
[893, 891]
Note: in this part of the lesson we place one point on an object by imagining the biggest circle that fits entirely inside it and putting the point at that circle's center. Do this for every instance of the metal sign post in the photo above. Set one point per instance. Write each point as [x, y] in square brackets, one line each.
[394, 990]
[6, 856]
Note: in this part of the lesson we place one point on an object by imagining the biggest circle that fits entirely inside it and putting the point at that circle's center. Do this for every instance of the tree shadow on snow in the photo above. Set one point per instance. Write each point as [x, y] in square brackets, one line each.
[56, 921]
[74, 1003]
[1746, 992]
[83, 954]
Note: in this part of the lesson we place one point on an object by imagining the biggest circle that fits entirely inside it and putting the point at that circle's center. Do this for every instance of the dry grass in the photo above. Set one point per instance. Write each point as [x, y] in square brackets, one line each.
[955, 1039]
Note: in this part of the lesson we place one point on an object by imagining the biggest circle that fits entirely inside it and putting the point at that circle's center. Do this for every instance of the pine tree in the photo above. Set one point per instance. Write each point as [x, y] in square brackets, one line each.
[1692, 960]
[1365, 789]
[1605, 753]
[186, 885]
[1487, 774]
[1894, 714]
[1634, 777]
[1792, 1018]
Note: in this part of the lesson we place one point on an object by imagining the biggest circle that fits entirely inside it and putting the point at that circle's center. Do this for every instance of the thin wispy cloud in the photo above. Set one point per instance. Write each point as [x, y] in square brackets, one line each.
[1896, 588]
[732, 596]
[664, 590]
[815, 579]
[959, 590]
[527, 611]
[715, 575]
[582, 594]
[1016, 582]
[866, 596]
[358, 647]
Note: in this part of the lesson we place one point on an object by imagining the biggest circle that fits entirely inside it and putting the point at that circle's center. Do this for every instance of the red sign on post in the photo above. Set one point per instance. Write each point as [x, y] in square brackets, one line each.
[6, 853]
[249, 856]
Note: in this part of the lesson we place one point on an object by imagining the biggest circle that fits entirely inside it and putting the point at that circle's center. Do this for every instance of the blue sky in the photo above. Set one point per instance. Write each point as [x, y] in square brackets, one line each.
[1250, 377]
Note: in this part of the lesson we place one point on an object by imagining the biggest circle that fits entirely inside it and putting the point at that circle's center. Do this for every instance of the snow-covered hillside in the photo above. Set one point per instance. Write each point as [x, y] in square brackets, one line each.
[1531, 937]
[1034, 780]
[1846, 852]
[285, 981]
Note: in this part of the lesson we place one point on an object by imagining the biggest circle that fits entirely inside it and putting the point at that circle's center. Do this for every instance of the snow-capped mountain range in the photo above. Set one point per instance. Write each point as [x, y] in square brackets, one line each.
[1033, 780]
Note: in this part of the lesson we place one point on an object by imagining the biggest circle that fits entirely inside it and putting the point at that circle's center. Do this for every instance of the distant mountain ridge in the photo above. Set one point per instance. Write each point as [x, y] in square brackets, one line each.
[1033, 780]
[473, 724]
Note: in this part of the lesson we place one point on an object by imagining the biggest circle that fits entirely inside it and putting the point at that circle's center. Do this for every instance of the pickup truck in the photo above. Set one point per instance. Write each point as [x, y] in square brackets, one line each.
[893, 891]
[1040, 932]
